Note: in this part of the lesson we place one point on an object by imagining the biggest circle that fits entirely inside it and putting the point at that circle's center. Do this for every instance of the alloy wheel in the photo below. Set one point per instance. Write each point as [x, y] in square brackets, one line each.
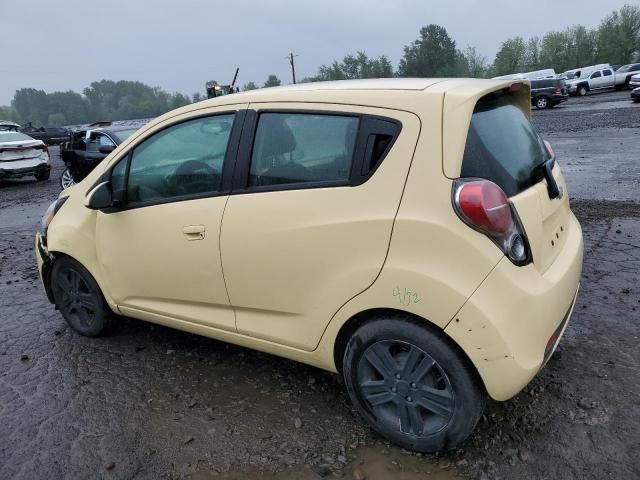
[66, 180]
[78, 302]
[405, 388]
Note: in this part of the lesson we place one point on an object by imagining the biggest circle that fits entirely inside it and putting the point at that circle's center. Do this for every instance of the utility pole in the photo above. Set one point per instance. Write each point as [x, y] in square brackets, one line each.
[293, 67]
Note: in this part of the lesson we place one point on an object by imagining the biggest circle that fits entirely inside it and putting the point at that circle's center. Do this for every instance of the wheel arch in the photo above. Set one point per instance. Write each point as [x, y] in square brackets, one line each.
[55, 256]
[356, 321]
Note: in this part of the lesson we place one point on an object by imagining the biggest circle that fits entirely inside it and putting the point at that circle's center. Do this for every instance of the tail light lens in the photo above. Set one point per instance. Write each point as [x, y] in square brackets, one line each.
[549, 148]
[483, 206]
[557, 91]
[44, 147]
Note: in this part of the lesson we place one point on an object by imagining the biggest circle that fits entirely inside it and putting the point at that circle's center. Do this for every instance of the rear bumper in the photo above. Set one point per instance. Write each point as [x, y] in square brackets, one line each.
[513, 322]
[23, 168]
[556, 99]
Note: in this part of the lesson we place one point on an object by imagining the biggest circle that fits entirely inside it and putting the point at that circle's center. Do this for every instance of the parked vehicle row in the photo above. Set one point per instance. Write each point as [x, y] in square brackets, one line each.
[265, 219]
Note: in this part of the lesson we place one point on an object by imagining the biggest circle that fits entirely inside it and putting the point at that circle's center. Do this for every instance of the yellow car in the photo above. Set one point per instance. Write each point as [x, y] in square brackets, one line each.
[413, 234]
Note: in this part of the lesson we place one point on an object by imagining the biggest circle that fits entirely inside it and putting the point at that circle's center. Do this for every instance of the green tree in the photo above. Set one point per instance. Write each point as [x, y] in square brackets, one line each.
[197, 97]
[510, 57]
[556, 51]
[434, 54]
[9, 113]
[619, 35]
[249, 86]
[356, 66]
[582, 46]
[531, 56]
[477, 66]
[272, 81]
[31, 105]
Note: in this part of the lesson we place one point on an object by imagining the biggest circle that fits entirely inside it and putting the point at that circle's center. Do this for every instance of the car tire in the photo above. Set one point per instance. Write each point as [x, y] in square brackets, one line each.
[42, 176]
[542, 102]
[79, 298]
[412, 385]
[66, 179]
[582, 90]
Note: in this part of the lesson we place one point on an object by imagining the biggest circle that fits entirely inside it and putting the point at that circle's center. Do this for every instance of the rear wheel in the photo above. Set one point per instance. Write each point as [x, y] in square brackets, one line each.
[542, 102]
[78, 297]
[411, 385]
[66, 180]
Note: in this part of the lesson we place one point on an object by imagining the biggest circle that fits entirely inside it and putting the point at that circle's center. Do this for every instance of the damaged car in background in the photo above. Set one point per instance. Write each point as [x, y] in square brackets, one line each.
[23, 156]
[86, 148]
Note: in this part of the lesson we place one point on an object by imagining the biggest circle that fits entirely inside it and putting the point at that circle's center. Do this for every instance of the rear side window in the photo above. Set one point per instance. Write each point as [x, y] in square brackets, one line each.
[292, 148]
[503, 146]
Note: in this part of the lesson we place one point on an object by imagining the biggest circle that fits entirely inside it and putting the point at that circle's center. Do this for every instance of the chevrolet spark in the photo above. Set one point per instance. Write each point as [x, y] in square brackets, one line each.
[412, 234]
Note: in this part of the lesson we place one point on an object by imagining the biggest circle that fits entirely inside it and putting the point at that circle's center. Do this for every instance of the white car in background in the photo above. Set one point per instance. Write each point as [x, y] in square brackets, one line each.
[634, 81]
[22, 156]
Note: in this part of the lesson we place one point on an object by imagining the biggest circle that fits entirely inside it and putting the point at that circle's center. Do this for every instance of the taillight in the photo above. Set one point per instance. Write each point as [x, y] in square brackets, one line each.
[42, 147]
[549, 148]
[483, 206]
[557, 91]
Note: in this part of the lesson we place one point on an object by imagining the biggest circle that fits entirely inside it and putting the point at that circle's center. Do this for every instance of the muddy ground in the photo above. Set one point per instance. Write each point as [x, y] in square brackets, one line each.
[149, 402]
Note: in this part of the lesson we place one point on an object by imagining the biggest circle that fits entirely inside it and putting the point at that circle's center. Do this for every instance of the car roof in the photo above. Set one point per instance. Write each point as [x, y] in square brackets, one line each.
[383, 92]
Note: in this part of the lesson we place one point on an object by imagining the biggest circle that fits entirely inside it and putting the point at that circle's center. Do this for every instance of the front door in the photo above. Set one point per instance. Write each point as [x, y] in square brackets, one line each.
[309, 222]
[160, 250]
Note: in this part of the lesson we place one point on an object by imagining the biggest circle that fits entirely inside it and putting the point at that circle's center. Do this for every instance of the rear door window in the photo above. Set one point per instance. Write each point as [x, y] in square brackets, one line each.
[503, 146]
[606, 73]
[292, 148]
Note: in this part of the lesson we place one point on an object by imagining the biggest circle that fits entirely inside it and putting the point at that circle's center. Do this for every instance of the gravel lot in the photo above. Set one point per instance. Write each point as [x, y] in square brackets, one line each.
[149, 402]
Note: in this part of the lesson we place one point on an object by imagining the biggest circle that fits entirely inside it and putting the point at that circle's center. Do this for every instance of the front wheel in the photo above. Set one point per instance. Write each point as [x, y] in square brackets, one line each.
[78, 297]
[412, 385]
[582, 90]
[66, 179]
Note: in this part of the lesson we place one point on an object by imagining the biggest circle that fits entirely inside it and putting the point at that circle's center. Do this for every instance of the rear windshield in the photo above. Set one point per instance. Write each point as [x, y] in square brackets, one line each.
[14, 137]
[503, 146]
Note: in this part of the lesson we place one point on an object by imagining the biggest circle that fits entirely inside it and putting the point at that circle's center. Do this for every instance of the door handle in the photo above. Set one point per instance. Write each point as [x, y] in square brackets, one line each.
[194, 232]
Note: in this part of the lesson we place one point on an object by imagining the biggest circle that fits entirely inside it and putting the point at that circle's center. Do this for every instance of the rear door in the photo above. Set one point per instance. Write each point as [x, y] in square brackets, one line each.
[608, 80]
[502, 146]
[308, 224]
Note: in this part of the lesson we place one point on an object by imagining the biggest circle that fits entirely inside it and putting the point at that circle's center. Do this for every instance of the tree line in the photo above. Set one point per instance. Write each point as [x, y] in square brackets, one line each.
[433, 54]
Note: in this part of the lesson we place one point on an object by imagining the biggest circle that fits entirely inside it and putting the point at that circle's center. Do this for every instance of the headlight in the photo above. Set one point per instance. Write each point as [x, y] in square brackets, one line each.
[51, 211]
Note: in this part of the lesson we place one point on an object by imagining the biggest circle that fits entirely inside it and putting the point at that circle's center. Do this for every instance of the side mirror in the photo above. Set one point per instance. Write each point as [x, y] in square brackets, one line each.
[99, 197]
[106, 148]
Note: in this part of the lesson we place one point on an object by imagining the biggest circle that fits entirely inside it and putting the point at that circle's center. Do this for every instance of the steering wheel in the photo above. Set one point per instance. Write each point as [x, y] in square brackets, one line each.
[194, 176]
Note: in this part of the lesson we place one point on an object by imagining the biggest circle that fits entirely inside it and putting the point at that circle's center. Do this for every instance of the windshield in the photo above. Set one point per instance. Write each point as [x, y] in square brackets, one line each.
[14, 137]
[503, 146]
[122, 135]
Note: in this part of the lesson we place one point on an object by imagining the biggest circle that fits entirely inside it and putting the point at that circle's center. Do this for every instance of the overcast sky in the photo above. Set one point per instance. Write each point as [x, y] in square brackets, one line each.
[179, 44]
